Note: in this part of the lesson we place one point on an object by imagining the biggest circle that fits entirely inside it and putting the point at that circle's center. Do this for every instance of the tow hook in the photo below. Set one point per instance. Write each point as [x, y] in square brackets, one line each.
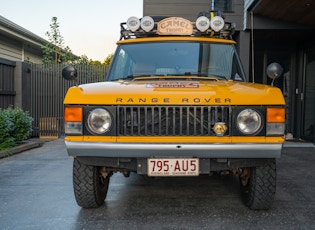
[103, 173]
[244, 176]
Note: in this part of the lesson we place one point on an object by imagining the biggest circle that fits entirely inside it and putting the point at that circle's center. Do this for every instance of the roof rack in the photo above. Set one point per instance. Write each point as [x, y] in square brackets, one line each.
[206, 25]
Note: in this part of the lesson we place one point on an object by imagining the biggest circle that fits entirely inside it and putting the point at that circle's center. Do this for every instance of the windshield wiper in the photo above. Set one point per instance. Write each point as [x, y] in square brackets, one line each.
[205, 75]
[187, 75]
[131, 77]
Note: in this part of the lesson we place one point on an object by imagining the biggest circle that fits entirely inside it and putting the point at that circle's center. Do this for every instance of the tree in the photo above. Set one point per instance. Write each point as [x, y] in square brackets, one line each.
[55, 51]
[68, 56]
[92, 62]
[83, 60]
[108, 59]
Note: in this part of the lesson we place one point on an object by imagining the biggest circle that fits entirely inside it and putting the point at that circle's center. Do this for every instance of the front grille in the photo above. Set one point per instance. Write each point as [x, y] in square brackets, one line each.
[171, 120]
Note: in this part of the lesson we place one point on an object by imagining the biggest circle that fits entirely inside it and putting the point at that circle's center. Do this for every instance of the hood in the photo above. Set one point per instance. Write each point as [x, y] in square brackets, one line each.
[174, 93]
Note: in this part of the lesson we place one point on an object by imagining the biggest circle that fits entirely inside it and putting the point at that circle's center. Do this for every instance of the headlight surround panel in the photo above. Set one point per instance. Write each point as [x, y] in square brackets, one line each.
[110, 115]
[234, 128]
[259, 111]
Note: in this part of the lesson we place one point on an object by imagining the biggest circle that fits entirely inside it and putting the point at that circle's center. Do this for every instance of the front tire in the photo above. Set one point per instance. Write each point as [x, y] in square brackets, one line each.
[90, 187]
[258, 185]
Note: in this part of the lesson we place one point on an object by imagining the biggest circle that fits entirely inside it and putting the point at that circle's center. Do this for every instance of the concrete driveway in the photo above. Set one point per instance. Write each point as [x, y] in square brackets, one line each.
[36, 193]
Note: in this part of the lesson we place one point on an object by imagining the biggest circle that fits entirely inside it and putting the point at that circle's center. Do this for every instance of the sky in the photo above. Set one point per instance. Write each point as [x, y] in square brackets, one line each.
[88, 27]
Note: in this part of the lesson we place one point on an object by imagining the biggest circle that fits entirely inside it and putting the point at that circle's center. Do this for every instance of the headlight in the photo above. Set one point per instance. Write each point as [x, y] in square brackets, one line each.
[249, 121]
[99, 121]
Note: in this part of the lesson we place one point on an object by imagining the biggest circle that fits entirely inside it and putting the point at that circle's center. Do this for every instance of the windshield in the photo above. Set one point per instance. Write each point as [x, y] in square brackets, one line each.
[176, 59]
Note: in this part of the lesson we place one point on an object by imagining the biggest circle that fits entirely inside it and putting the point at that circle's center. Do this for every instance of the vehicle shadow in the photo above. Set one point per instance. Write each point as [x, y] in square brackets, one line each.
[164, 202]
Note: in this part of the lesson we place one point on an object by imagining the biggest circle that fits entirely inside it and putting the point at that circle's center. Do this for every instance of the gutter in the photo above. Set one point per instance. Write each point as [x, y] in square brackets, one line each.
[19, 32]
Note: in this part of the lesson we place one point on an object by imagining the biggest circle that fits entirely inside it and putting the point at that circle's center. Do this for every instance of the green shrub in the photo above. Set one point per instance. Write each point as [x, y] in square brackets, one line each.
[6, 127]
[22, 124]
[15, 126]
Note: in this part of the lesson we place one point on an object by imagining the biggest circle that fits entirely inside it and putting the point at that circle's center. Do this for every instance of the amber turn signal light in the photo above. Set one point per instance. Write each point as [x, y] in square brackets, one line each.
[73, 114]
[275, 115]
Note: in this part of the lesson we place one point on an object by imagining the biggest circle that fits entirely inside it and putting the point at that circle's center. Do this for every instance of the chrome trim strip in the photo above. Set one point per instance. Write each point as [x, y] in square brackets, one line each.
[240, 150]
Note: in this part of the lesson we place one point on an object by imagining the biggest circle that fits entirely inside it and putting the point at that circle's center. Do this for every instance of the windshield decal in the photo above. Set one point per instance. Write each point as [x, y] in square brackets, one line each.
[165, 84]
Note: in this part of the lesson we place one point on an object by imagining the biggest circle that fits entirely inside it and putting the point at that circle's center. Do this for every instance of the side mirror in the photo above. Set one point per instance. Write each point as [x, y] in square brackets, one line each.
[274, 70]
[69, 73]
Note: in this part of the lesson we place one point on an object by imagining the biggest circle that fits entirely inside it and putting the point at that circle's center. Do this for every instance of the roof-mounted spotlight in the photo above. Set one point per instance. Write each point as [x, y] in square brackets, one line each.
[147, 23]
[133, 23]
[217, 23]
[202, 23]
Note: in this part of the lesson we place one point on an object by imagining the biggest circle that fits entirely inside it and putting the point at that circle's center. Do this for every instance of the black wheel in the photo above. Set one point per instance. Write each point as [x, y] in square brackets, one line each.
[258, 185]
[90, 187]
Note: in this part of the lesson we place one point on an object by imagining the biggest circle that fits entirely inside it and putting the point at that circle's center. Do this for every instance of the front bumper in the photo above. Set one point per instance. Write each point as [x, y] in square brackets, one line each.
[147, 150]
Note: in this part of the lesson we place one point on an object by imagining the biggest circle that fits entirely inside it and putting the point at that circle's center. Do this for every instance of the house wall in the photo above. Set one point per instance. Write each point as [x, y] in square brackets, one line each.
[186, 8]
[10, 49]
[190, 9]
[32, 54]
[15, 50]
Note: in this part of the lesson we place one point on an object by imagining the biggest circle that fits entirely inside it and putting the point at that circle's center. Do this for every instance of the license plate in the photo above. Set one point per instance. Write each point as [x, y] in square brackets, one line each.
[173, 167]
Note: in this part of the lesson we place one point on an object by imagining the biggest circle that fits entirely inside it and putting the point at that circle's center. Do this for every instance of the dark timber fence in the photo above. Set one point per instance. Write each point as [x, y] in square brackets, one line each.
[7, 91]
[48, 89]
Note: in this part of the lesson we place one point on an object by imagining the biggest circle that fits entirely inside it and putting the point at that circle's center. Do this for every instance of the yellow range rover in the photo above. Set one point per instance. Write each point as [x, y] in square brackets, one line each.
[175, 102]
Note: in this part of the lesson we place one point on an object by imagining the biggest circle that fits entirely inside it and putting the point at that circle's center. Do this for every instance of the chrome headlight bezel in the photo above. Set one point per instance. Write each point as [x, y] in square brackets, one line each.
[99, 121]
[249, 121]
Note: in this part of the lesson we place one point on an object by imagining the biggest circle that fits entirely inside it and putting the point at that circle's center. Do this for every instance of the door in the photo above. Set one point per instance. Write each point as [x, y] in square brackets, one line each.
[285, 56]
[308, 96]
